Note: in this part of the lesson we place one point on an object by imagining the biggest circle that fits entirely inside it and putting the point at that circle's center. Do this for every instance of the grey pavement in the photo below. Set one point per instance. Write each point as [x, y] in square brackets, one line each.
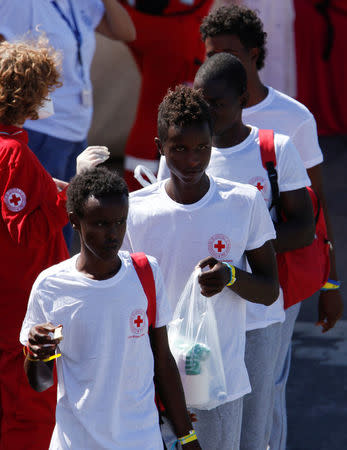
[317, 386]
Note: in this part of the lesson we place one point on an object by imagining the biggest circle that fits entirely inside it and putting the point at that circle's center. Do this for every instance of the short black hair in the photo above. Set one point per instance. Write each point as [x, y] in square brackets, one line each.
[181, 107]
[224, 67]
[98, 182]
[240, 21]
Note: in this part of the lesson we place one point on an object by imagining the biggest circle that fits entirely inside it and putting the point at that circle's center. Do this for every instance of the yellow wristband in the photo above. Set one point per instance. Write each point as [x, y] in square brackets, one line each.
[331, 285]
[188, 438]
[50, 358]
[57, 355]
[232, 273]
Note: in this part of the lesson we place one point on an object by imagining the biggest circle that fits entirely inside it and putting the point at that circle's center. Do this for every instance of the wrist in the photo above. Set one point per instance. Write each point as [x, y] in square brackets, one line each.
[232, 271]
[30, 356]
[331, 285]
[190, 437]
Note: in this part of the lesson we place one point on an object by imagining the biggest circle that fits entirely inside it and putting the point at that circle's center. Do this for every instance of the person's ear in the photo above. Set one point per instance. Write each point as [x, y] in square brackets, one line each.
[74, 220]
[244, 99]
[254, 54]
[159, 145]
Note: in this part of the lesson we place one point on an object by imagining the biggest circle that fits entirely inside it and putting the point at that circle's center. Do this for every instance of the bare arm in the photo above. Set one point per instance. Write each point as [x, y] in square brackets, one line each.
[116, 23]
[168, 384]
[298, 230]
[330, 305]
[260, 286]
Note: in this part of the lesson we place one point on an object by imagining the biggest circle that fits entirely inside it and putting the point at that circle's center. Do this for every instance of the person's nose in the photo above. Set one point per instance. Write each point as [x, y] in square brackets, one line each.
[112, 232]
[193, 159]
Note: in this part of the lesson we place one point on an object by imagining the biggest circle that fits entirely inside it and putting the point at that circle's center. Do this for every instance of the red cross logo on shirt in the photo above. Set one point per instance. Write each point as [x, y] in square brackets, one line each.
[219, 246]
[138, 321]
[15, 200]
[259, 186]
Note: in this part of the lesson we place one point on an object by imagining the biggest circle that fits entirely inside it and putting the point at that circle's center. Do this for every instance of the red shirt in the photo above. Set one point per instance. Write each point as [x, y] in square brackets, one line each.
[168, 51]
[32, 217]
[321, 83]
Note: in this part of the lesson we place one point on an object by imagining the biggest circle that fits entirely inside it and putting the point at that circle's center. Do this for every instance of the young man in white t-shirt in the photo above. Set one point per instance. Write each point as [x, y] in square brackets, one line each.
[239, 31]
[109, 355]
[195, 219]
[236, 156]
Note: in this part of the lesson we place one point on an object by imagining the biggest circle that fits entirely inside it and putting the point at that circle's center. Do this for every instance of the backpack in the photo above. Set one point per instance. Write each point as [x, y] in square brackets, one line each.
[303, 271]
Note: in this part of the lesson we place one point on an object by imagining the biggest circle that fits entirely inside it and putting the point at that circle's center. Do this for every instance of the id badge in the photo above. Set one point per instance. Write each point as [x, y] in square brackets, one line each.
[87, 98]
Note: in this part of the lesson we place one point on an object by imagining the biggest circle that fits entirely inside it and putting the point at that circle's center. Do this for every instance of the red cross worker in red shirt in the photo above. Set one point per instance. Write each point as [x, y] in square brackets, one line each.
[32, 217]
[168, 51]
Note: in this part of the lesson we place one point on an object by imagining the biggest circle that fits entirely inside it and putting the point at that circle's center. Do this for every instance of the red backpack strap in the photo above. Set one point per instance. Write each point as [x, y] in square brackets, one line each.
[145, 274]
[267, 147]
[268, 158]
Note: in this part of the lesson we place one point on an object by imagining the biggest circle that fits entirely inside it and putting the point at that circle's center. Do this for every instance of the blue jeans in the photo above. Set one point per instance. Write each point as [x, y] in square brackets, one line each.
[58, 157]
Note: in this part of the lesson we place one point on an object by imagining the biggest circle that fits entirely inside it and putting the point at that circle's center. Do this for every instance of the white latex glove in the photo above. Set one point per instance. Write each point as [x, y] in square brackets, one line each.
[91, 157]
[61, 185]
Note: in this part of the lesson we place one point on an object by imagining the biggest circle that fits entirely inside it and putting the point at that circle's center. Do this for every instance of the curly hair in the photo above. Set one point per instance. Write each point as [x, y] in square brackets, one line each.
[240, 21]
[98, 182]
[180, 107]
[29, 70]
[223, 67]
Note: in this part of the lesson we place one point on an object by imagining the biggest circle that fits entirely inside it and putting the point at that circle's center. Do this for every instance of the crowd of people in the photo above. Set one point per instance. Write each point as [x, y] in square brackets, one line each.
[98, 371]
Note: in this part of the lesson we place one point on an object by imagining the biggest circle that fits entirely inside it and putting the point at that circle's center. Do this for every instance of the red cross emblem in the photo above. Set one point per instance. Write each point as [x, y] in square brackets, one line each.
[138, 321]
[15, 199]
[219, 246]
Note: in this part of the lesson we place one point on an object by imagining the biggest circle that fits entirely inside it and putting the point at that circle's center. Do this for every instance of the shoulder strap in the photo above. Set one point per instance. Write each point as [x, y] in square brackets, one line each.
[145, 274]
[268, 158]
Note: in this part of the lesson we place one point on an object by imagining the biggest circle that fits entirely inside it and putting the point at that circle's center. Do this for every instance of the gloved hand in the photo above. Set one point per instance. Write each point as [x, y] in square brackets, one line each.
[91, 157]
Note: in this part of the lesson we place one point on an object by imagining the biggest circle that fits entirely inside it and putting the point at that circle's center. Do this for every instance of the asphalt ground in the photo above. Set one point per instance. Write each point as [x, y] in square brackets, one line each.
[317, 385]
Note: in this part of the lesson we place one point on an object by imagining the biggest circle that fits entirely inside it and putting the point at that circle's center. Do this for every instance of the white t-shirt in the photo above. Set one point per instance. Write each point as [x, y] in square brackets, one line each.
[242, 163]
[71, 120]
[287, 116]
[230, 219]
[105, 374]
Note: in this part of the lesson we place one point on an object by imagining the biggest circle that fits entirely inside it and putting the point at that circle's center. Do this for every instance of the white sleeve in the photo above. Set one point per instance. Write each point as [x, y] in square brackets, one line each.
[261, 228]
[163, 310]
[15, 18]
[95, 10]
[163, 171]
[292, 174]
[306, 141]
[34, 314]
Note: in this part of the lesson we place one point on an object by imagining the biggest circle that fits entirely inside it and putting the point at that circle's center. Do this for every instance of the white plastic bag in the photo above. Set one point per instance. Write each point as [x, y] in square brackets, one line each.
[194, 343]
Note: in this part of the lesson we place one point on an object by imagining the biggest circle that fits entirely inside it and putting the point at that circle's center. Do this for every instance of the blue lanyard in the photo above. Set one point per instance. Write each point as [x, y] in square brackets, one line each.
[73, 27]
